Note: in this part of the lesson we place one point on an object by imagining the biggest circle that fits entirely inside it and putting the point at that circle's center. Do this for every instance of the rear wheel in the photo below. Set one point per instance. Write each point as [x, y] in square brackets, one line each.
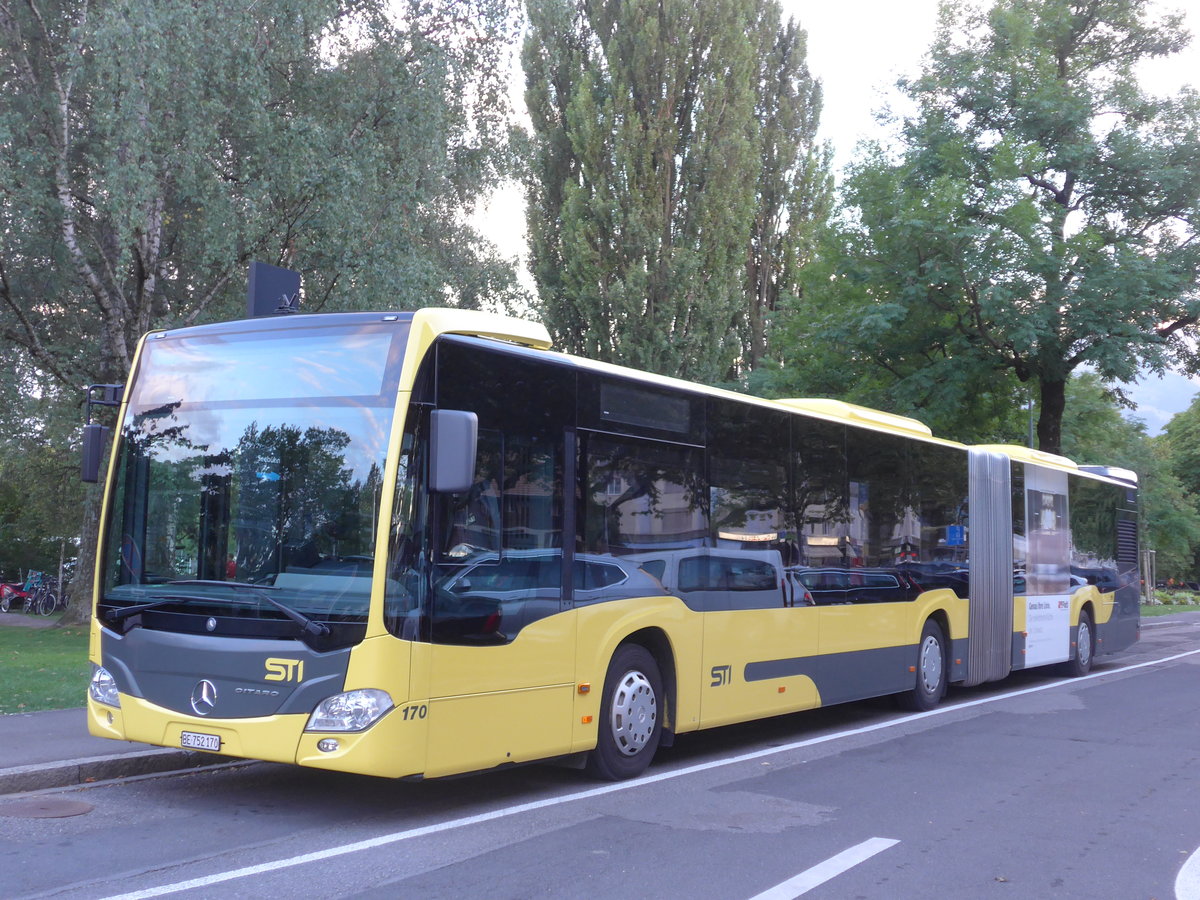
[1085, 648]
[47, 603]
[931, 670]
[630, 724]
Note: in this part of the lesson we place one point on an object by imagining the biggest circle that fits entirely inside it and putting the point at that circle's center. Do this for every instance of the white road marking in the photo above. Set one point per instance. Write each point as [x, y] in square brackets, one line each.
[823, 872]
[396, 837]
[1187, 882]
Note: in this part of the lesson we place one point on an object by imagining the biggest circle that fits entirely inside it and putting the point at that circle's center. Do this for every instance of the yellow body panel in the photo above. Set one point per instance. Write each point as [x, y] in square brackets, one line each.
[507, 703]
[542, 654]
[273, 738]
[1103, 605]
[479, 731]
[94, 635]
[733, 638]
[1019, 611]
[382, 662]
[846, 628]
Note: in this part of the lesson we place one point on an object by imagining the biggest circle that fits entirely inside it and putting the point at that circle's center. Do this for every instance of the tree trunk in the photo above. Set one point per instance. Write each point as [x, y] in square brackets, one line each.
[79, 598]
[1049, 426]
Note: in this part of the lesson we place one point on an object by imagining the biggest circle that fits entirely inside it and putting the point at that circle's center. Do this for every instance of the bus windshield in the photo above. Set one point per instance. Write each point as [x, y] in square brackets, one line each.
[253, 457]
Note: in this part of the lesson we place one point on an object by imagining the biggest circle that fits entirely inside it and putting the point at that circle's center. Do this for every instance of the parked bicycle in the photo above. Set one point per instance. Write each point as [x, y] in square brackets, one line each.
[38, 595]
[45, 596]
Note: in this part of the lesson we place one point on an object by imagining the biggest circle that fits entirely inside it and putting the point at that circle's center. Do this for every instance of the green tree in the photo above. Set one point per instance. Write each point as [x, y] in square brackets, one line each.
[40, 494]
[794, 191]
[650, 120]
[1039, 213]
[141, 168]
[843, 347]
[1179, 448]
[1183, 443]
[1095, 433]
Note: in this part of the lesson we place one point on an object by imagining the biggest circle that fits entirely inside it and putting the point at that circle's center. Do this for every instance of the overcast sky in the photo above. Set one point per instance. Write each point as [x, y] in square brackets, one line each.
[858, 48]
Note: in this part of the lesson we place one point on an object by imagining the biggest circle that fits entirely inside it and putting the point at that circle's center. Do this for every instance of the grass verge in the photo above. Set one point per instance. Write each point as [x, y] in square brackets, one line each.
[1167, 609]
[42, 668]
[1172, 600]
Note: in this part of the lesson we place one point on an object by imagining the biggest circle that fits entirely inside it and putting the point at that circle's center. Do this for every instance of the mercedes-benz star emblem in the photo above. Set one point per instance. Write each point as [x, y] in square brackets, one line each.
[204, 697]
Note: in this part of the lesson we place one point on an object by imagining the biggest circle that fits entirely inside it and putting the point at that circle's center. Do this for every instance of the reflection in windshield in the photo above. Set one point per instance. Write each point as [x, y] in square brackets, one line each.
[272, 503]
[221, 487]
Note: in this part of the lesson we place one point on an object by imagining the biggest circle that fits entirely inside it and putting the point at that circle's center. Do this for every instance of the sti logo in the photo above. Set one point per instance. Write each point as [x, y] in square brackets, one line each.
[284, 669]
[721, 675]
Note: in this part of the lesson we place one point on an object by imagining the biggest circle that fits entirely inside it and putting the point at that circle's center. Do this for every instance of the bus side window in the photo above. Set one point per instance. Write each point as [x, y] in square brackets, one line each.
[500, 557]
[753, 516]
[638, 494]
[884, 528]
[473, 517]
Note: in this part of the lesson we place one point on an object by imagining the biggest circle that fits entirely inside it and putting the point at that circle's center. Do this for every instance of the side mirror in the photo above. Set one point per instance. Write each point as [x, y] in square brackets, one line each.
[95, 438]
[452, 439]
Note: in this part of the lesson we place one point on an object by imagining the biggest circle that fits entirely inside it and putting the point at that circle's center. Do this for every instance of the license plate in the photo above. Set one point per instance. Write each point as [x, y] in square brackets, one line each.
[192, 740]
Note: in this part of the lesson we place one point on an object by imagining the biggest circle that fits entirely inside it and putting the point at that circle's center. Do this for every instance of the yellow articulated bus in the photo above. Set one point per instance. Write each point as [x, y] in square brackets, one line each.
[419, 544]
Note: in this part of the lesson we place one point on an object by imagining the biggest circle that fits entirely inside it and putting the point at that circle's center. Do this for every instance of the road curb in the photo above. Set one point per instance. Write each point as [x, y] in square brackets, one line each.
[69, 772]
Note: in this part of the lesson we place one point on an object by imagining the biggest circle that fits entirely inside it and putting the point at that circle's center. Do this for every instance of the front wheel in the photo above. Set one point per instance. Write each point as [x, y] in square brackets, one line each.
[47, 603]
[931, 671]
[631, 711]
[1081, 663]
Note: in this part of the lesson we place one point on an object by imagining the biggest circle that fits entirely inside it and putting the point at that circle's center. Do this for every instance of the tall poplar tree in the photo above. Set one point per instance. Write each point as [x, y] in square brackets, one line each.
[1039, 216]
[794, 189]
[659, 237]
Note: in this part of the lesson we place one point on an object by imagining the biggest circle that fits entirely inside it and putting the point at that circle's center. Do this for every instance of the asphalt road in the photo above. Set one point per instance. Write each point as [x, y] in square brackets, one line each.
[1037, 787]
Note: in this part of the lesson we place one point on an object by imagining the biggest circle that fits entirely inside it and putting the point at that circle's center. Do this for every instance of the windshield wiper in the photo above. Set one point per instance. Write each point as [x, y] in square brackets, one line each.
[124, 612]
[307, 625]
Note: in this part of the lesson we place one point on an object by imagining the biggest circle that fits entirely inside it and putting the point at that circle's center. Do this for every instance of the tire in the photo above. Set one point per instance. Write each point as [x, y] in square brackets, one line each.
[5, 603]
[1085, 648]
[631, 714]
[47, 603]
[930, 684]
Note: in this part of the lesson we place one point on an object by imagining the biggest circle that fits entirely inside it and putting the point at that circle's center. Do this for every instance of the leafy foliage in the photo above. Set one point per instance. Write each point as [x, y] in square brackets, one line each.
[650, 121]
[794, 191]
[1039, 217]
[1094, 433]
[142, 168]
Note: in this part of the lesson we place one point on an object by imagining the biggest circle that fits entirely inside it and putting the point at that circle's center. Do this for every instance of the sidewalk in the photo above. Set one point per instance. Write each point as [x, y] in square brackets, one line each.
[53, 749]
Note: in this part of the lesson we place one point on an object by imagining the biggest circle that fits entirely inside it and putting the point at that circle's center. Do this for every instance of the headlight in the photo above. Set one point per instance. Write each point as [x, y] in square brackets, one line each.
[351, 711]
[103, 689]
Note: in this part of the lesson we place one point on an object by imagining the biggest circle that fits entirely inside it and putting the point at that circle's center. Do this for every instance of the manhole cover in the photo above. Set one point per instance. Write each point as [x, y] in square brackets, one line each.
[44, 808]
